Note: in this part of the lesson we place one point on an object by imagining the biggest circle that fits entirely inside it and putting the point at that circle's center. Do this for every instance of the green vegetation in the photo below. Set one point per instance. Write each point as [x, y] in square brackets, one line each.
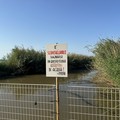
[23, 61]
[107, 59]
[77, 62]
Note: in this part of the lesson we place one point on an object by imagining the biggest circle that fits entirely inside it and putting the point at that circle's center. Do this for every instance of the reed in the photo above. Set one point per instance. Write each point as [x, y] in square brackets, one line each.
[107, 59]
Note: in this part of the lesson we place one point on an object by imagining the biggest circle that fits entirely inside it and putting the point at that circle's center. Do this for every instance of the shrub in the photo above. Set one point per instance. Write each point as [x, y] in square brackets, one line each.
[28, 61]
[76, 61]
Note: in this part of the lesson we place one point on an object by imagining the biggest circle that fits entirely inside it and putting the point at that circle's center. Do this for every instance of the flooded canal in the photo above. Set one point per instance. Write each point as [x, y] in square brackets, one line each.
[75, 102]
[42, 79]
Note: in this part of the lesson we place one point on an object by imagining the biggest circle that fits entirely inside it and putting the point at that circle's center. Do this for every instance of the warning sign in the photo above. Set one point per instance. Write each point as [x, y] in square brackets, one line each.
[56, 60]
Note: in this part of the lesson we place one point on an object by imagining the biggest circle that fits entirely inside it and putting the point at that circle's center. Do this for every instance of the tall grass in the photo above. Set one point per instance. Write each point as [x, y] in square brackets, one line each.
[107, 59]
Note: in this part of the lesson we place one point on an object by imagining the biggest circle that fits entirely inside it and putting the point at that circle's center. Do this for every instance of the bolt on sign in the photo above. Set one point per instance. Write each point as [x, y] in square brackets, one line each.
[56, 60]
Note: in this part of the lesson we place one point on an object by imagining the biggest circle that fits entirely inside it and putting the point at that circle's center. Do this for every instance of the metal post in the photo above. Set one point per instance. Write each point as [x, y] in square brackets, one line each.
[57, 99]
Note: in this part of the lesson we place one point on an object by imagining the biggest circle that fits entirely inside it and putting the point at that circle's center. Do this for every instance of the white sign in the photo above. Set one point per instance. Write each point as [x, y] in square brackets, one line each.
[56, 60]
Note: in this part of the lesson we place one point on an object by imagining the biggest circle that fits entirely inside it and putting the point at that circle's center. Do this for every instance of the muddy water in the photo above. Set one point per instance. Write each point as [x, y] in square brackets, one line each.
[68, 95]
[80, 104]
[42, 79]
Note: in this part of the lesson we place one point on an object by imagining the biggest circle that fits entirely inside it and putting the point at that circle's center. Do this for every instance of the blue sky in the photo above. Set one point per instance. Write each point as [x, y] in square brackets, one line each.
[79, 23]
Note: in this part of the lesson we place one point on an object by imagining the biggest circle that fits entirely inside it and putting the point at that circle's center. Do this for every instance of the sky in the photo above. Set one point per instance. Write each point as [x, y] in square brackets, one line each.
[78, 23]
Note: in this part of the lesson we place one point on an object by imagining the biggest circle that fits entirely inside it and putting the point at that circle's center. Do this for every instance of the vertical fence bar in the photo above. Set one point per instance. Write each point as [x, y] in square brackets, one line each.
[57, 99]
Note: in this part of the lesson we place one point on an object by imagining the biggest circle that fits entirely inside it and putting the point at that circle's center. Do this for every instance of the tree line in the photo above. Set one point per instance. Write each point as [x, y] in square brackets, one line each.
[22, 61]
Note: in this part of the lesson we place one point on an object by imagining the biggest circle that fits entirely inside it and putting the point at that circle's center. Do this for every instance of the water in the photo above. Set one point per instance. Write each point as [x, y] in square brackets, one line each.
[42, 79]
[75, 79]
[79, 95]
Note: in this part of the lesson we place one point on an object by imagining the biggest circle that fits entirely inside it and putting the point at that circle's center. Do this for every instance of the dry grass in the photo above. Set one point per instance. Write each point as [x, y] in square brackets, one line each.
[102, 81]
